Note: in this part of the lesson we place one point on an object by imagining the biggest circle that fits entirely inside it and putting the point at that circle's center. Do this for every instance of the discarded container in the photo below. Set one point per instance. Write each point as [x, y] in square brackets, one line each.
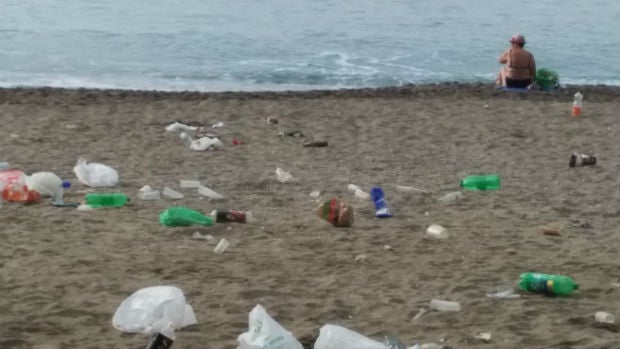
[482, 182]
[189, 184]
[441, 305]
[157, 311]
[577, 160]
[221, 246]
[148, 193]
[548, 284]
[605, 318]
[17, 191]
[265, 333]
[451, 197]
[202, 190]
[172, 194]
[315, 194]
[179, 216]
[410, 190]
[283, 176]
[336, 212]
[503, 292]
[436, 231]
[358, 192]
[95, 174]
[577, 104]
[159, 341]
[378, 198]
[11, 175]
[338, 337]
[218, 125]
[95, 200]
[231, 216]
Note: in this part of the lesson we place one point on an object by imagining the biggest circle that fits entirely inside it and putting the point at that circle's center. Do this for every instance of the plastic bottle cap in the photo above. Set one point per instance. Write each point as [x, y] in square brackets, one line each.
[66, 184]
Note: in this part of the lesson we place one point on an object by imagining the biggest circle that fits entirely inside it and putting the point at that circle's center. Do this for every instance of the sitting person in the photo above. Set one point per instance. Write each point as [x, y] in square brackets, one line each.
[520, 67]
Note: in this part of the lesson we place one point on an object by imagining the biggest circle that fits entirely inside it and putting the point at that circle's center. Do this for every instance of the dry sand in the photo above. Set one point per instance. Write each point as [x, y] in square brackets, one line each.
[64, 272]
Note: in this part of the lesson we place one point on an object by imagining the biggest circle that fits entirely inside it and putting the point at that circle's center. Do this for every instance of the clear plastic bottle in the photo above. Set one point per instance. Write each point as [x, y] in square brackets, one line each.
[577, 104]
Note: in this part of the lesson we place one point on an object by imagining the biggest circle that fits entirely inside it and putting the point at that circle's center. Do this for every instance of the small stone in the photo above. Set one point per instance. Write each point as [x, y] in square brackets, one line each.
[360, 257]
[551, 231]
[511, 251]
[388, 248]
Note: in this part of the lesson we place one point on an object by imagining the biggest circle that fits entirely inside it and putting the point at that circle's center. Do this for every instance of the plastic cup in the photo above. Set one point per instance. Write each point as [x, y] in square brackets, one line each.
[604, 317]
[436, 231]
[202, 190]
[172, 194]
[189, 184]
[149, 195]
[221, 246]
[441, 305]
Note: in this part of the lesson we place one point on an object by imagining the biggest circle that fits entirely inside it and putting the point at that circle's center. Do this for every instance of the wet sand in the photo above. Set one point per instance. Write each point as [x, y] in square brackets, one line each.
[64, 272]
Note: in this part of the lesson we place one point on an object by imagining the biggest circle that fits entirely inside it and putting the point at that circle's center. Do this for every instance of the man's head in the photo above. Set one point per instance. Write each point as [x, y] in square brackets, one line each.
[517, 39]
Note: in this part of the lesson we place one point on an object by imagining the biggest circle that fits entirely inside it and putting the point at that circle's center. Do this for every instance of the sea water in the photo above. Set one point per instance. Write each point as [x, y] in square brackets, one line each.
[222, 45]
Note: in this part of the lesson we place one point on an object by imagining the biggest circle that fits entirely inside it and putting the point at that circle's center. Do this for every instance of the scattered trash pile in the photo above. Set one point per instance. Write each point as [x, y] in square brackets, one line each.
[160, 311]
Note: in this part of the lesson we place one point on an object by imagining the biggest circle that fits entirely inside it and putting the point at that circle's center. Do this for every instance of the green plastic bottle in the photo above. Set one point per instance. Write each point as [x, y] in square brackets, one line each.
[182, 216]
[482, 182]
[548, 284]
[106, 200]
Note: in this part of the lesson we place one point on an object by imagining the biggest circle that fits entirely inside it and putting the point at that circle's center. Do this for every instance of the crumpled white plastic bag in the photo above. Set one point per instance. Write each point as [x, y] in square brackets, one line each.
[95, 174]
[202, 143]
[338, 337]
[265, 333]
[154, 309]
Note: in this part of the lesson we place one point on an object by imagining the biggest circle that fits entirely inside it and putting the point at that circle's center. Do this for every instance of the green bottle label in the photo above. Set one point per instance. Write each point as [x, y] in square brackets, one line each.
[542, 285]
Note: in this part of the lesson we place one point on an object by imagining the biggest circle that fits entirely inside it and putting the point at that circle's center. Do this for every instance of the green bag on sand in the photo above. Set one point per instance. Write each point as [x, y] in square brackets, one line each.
[547, 79]
[182, 216]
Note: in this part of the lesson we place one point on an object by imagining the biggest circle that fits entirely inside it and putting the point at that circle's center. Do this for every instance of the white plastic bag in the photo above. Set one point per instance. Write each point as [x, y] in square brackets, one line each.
[46, 184]
[337, 337]
[179, 126]
[202, 143]
[265, 333]
[283, 176]
[95, 174]
[154, 309]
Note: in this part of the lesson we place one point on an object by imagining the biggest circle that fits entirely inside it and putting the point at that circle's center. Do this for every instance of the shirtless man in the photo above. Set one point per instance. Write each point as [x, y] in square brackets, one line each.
[520, 68]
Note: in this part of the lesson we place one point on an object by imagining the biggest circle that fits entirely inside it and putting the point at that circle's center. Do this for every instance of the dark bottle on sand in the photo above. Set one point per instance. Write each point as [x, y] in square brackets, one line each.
[232, 216]
[315, 144]
[577, 160]
[159, 341]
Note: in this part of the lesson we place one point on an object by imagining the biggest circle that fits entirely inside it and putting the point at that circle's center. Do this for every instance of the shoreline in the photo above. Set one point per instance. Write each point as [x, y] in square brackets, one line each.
[411, 90]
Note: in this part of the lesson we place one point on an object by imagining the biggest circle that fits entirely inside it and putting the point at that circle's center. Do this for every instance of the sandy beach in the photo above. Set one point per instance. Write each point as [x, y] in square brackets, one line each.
[63, 272]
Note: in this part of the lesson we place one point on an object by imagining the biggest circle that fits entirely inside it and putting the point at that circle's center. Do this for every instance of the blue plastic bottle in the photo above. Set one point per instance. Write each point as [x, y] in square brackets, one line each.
[378, 198]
